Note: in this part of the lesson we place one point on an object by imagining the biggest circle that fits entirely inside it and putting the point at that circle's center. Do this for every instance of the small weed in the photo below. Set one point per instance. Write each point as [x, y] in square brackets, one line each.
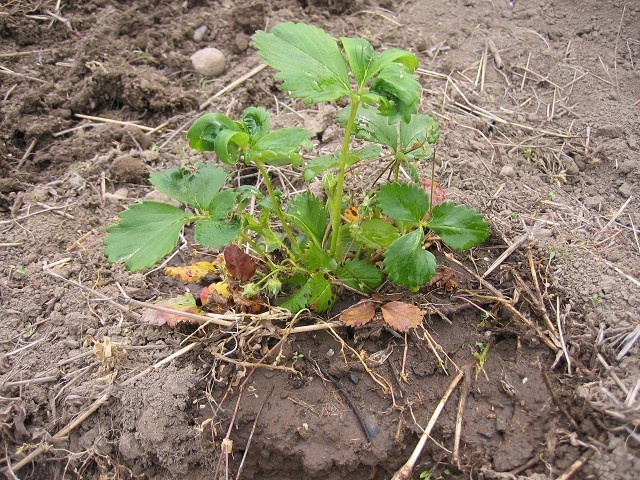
[596, 300]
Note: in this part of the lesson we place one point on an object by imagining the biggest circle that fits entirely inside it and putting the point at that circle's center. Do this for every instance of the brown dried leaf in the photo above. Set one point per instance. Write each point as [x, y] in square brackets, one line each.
[401, 316]
[444, 279]
[252, 305]
[183, 303]
[239, 264]
[191, 273]
[359, 314]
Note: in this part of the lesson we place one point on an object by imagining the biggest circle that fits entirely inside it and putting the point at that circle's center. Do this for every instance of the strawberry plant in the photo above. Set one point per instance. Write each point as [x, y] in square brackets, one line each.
[309, 247]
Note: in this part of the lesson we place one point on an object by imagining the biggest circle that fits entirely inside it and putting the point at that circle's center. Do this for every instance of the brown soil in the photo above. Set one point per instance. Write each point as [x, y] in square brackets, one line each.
[543, 139]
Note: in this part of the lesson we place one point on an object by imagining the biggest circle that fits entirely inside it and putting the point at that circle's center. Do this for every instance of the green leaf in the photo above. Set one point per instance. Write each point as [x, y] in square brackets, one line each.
[307, 59]
[403, 201]
[460, 227]
[406, 263]
[217, 233]
[299, 300]
[318, 165]
[221, 204]
[145, 233]
[204, 131]
[318, 259]
[281, 147]
[309, 215]
[360, 55]
[376, 233]
[400, 92]
[369, 125]
[322, 295]
[421, 129]
[196, 189]
[381, 60]
[257, 122]
[323, 163]
[360, 275]
[229, 145]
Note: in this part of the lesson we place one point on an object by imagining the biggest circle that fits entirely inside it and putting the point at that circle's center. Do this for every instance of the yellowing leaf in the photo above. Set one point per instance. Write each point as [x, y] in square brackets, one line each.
[191, 273]
[359, 314]
[401, 316]
[351, 214]
[217, 293]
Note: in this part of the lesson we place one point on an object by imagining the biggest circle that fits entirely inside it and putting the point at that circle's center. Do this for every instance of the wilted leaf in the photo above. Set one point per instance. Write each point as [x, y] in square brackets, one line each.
[438, 192]
[359, 314]
[183, 303]
[216, 293]
[351, 214]
[239, 264]
[191, 273]
[401, 316]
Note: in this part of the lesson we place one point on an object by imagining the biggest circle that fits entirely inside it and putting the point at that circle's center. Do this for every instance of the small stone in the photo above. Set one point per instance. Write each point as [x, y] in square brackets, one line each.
[570, 166]
[198, 35]
[76, 182]
[507, 171]
[209, 62]
[625, 190]
[241, 42]
[121, 193]
[543, 234]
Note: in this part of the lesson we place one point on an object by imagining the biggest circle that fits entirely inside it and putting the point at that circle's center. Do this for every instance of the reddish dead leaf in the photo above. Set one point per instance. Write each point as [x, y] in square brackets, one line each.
[239, 264]
[216, 293]
[401, 316]
[183, 303]
[438, 192]
[444, 279]
[191, 273]
[359, 314]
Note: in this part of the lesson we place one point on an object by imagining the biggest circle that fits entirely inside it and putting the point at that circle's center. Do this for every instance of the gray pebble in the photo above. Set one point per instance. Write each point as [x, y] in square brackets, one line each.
[198, 35]
[507, 171]
[209, 62]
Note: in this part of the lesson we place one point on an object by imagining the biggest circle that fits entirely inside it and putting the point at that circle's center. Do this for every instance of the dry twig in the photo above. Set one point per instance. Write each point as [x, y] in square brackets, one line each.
[407, 469]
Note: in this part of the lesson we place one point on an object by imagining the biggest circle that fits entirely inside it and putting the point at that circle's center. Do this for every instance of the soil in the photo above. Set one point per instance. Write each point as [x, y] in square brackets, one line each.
[538, 103]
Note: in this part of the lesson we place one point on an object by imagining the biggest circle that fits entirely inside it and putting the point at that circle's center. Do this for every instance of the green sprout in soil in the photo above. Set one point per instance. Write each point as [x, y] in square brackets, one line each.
[309, 249]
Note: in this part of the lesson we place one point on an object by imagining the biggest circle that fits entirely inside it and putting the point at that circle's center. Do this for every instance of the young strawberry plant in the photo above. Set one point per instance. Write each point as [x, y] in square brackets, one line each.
[311, 248]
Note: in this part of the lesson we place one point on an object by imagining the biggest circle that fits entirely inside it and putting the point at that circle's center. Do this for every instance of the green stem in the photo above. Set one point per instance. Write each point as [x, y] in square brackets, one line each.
[279, 213]
[336, 200]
